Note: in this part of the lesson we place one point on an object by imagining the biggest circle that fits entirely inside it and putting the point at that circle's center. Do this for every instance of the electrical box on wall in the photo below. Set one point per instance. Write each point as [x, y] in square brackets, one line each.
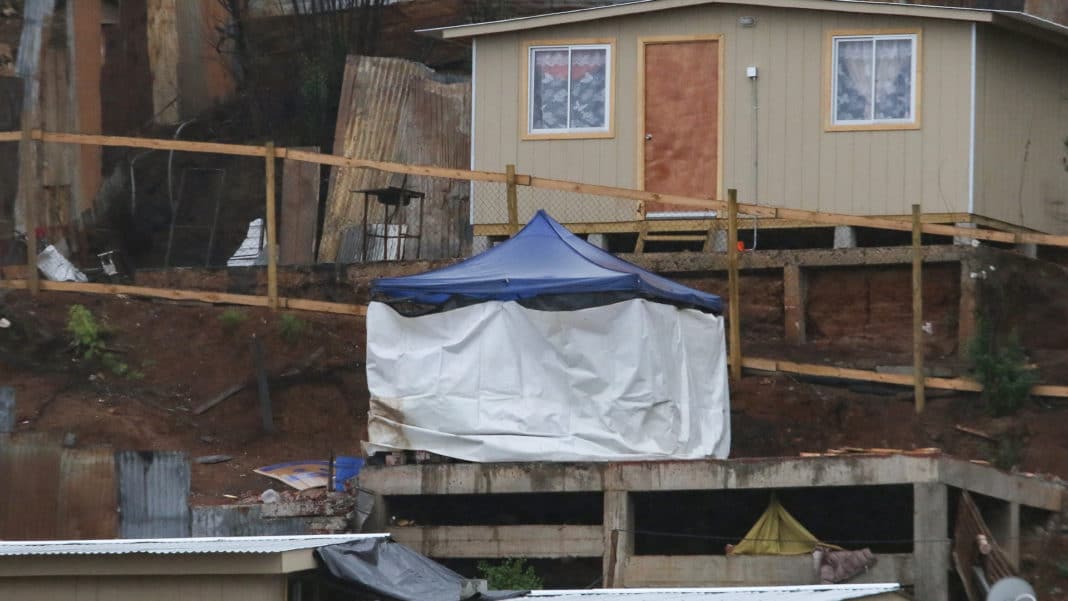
[751, 72]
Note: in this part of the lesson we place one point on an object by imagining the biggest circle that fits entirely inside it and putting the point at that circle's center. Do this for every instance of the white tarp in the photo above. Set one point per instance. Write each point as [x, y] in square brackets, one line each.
[635, 380]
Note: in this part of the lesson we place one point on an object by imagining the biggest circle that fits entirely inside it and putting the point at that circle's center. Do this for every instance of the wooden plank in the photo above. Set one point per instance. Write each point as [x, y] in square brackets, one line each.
[917, 309]
[734, 308]
[513, 200]
[29, 193]
[300, 211]
[272, 229]
[222, 298]
[860, 375]
[10, 136]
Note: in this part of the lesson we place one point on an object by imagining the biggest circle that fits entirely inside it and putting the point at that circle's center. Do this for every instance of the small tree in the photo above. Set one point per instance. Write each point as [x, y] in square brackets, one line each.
[510, 575]
[1001, 367]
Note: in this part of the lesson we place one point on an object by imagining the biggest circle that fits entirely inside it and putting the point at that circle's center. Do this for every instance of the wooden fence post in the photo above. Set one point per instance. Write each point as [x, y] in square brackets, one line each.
[513, 201]
[734, 315]
[917, 309]
[272, 231]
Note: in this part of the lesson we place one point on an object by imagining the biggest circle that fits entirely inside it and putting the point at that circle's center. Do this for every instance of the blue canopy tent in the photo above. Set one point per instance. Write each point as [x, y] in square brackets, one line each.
[546, 348]
[543, 259]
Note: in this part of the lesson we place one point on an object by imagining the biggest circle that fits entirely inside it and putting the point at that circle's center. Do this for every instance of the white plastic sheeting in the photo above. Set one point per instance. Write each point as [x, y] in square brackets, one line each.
[495, 381]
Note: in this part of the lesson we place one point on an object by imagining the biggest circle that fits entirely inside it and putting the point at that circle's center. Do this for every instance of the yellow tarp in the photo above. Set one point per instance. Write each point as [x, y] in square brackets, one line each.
[777, 533]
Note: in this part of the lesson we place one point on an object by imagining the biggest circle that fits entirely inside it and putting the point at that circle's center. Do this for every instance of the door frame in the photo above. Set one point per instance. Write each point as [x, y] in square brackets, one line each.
[668, 39]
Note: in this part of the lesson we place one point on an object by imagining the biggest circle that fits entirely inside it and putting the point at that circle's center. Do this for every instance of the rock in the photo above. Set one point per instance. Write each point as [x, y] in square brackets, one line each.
[70, 439]
[209, 459]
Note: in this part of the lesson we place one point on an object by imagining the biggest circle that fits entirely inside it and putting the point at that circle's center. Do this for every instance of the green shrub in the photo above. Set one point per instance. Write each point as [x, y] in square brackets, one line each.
[1001, 367]
[510, 575]
[88, 336]
[1007, 452]
[231, 319]
[87, 333]
[291, 327]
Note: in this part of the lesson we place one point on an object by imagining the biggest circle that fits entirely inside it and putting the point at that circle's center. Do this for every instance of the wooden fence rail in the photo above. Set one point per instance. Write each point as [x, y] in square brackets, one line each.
[756, 210]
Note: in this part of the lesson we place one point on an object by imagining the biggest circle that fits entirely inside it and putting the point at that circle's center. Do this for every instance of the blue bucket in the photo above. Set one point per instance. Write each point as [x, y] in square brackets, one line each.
[345, 469]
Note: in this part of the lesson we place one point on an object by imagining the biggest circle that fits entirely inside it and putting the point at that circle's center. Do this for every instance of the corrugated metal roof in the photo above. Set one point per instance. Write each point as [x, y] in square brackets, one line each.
[827, 592]
[169, 546]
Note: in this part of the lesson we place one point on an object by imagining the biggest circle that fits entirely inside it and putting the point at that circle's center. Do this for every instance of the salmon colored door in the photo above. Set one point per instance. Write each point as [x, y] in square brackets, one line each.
[680, 146]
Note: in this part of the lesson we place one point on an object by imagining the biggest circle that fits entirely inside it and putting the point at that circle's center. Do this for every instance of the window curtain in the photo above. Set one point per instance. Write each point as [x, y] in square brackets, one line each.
[549, 104]
[854, 73]
[588, 86]
[893, 79]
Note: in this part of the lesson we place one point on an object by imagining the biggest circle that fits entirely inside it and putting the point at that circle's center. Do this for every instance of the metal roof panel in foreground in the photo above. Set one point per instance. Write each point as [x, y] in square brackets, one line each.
[170, 546]
[826, 592]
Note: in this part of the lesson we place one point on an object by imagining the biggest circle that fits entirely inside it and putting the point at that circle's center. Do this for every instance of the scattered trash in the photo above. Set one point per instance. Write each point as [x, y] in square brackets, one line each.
[270, 496]
[69, 440]
[207, 439]
[57, 268]
[228, 496]
[4, 323]
[928, 327]
[303, 475]
[251, 250]
[210, 459]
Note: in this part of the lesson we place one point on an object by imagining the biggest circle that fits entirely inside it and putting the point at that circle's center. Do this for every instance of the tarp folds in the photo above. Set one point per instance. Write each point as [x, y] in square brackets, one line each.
[497, 381]
[542, 261]
[382, 566]
[778, 533]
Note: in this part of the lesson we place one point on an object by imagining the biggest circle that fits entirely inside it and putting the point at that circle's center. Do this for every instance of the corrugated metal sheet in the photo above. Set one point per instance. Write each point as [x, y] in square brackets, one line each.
[29, 468]
[7, 409]
[401, 111]
[153, 494]
[50, 492]
[830, 592]
[248, 544]
[245, 520]
[88, 494]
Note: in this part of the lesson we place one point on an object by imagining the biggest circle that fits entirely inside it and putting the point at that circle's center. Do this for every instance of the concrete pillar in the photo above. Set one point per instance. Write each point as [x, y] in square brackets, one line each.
[598, 240]
[618, 537]
[962, 241]
[1004, 523]
[967, 306]
[719, 241]
[1028, 250]
[845, 236]
[794, 293]
[480, 244]
[930, 531]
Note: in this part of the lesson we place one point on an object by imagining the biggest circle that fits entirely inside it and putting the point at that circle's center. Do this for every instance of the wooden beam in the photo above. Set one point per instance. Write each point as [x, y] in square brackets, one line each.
[548, 541]
[29, 193]
[512, 200]
[10, 136]
[272, 229]
[734, 308]
[219, 298]
[917, 309]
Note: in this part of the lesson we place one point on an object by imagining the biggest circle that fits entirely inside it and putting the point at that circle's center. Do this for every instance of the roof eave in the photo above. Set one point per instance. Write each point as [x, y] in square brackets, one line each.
[646, 6]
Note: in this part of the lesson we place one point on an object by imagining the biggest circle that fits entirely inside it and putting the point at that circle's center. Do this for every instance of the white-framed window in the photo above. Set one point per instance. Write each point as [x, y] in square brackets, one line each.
[874, 81]
[569, 90]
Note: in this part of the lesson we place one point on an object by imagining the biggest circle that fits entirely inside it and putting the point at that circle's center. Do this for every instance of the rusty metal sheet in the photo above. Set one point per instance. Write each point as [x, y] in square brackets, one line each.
[29, 470]
[401, 111]
[153, 494]
[88, 494]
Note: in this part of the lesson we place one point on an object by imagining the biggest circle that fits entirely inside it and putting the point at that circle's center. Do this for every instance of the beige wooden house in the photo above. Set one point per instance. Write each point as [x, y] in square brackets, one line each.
[837, 106]
[256, 568]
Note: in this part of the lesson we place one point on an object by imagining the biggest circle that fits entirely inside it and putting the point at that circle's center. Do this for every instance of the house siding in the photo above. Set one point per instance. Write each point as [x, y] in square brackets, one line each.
[141, 588]
[800, 164]
[1021, 128]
